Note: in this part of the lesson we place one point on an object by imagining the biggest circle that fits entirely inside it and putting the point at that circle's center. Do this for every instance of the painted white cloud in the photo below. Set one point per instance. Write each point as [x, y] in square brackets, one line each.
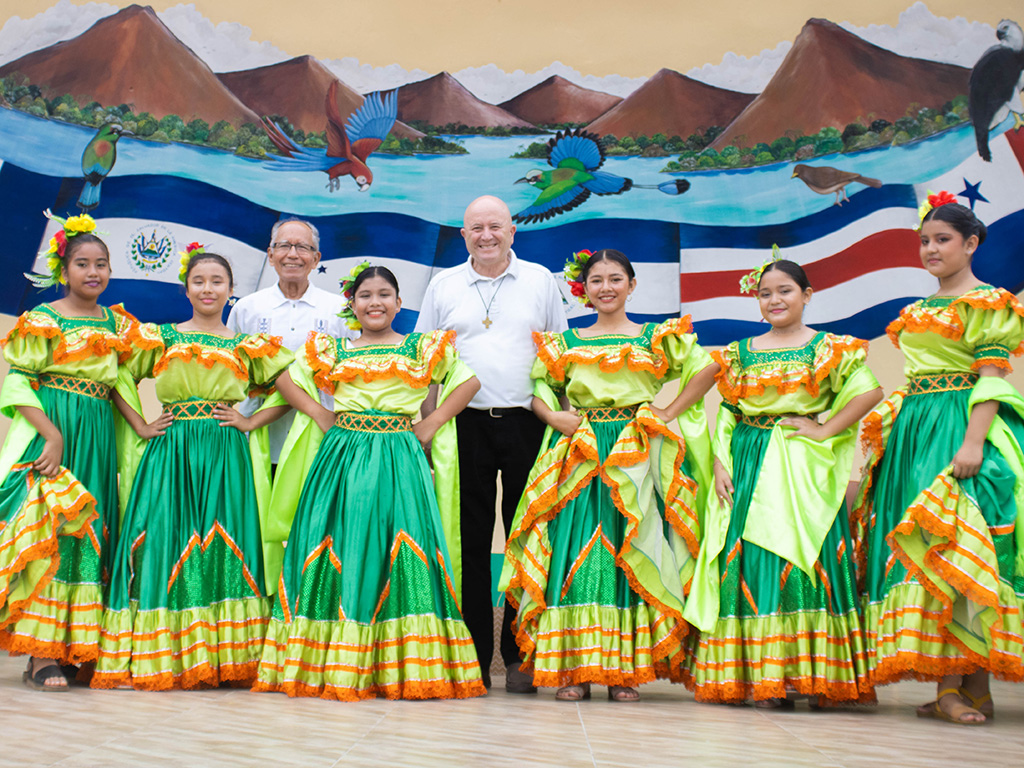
[62, 21]
[742, 73]
[923, 35]
[225, 47]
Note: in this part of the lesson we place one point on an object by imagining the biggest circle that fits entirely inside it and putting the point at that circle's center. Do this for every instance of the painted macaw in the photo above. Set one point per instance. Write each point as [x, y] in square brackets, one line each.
[97, 161]
[348, 146]
[575, 157]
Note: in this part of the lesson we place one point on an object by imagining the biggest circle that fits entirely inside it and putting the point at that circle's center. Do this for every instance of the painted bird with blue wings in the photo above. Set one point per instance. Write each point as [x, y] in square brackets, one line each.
[575, 157]
[97, 161]
[348, 144]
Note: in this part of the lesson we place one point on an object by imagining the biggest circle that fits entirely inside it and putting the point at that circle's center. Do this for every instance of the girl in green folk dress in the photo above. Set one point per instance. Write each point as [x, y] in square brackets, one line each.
[187, 607]
[944, 569]
[367, 603]
[776, 596]
[605, 538]
[58, 466]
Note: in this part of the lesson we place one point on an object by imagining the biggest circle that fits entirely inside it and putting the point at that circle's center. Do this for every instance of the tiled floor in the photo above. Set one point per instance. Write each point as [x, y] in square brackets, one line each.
[110, 729]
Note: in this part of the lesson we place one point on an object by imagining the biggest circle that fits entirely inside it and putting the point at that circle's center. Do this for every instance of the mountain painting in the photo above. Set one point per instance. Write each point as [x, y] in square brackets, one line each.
[695, 182]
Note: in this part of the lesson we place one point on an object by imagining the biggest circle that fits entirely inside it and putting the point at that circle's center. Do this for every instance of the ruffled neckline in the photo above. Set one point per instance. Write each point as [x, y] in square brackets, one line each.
[938, 314]
[747, 372]
[610, 352]
[78, 338]
[413, 360]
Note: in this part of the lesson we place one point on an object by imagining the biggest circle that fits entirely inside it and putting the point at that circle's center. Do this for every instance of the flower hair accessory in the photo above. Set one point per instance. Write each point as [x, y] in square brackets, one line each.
[748, 283]
[347, 313]
[191, 250]
[933, 201]
[572, 271]
[71, 226]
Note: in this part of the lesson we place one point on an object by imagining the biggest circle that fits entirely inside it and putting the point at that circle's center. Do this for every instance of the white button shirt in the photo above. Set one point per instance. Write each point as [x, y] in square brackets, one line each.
[270, 311]
[522, 299]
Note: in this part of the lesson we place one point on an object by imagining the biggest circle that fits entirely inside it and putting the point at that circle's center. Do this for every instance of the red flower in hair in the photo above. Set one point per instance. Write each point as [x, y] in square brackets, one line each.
[942, 198]
[577, 288]
[62, 242]
[193, 247]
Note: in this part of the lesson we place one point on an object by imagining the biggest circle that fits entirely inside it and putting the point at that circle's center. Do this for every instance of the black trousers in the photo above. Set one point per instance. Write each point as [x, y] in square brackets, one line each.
[505, 439]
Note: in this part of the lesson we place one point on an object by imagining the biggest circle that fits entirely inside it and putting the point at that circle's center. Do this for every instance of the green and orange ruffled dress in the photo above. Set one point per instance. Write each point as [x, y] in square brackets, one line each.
[187, 606]
[777, 568]
[606, 535]
[56, 534]
[366, 603]
[942, 557]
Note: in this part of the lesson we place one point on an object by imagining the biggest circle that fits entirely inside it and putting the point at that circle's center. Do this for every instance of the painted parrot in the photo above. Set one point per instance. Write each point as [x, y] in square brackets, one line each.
[348, 146]
[97, 161]
[575, 157]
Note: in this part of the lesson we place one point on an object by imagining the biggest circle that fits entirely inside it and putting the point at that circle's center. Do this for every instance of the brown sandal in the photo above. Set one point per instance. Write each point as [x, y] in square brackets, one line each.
[935, 710]
[579, 692]
[623, 694]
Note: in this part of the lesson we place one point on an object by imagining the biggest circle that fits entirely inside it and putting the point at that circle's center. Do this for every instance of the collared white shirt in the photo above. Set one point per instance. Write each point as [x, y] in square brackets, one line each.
[522, 299]
[270, 311]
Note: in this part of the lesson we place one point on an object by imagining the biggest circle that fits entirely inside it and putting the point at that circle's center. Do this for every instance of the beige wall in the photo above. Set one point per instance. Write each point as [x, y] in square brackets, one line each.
[600, 37]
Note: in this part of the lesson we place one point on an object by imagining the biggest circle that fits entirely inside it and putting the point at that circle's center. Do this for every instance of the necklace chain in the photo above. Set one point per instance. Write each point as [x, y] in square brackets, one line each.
[487, 322]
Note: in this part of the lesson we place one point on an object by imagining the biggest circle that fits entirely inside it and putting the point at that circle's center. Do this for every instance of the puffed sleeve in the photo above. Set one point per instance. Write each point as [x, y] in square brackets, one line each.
[318, 357]
[28, 347]
[993, 326]
[267, 359]
[549, 366]
[676, 343]
[439, 348]
[147, 347]
[848, 370]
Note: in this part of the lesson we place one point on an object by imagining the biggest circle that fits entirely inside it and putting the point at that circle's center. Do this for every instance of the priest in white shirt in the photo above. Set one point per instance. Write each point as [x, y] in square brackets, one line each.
[494, 302]
[292, 307]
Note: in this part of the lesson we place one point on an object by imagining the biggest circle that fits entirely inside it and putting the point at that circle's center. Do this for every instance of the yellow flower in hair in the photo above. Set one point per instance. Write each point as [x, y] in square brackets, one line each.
[56, 268]
[81, 223]
[53, 245]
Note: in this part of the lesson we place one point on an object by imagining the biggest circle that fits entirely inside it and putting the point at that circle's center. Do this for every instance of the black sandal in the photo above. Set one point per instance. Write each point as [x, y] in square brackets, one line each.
[37, 682]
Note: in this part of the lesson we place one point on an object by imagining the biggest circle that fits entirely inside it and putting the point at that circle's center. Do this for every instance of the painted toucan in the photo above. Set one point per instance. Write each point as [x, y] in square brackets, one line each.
[348, 145]
[994, 81]
[97, 161]
[575, 157]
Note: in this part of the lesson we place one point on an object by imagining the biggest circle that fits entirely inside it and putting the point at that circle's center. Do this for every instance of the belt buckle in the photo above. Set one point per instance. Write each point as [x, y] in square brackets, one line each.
[492, 414]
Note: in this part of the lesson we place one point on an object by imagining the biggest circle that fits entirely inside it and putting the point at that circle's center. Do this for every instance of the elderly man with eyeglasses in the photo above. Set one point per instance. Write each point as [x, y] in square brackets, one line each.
[293, 306]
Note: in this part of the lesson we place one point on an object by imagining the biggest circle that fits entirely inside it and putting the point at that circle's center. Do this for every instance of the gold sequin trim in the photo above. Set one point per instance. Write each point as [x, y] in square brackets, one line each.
[769, 420]
[625, 413]
[187, 410]
[374, 422]
[941, 382]
[75, 385]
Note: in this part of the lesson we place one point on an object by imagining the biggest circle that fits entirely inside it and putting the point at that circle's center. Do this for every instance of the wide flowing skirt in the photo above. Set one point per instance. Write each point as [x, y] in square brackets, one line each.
[366, 606]
[186, 607]
[943, 591]
[780, 631]
[55, 533]
[601, 559]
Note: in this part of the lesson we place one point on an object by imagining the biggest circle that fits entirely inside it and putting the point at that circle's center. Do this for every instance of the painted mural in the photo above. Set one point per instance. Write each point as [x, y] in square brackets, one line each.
[694, 181]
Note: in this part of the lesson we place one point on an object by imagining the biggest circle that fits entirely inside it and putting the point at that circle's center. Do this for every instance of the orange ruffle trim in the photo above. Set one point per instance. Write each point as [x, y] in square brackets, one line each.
[253, 347]
[553, 352]
[89, 342]
[946, 321]
[410, 689]
[739, 385]
[417, 373]
[47, 548]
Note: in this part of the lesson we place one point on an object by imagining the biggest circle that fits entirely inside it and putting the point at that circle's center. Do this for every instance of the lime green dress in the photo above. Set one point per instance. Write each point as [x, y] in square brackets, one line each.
[942, 557]
[606, 534]
[56, 534]
[366, 605]
[781, 559]
[186, 606]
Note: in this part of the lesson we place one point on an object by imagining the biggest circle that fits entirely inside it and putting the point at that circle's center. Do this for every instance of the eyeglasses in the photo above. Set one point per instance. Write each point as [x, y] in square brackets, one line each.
[285, 247]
